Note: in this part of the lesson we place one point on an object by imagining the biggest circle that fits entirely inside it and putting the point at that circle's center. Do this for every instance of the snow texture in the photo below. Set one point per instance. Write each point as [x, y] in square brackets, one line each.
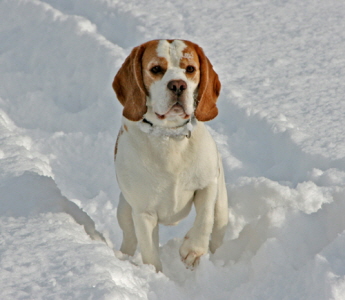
[281, 132]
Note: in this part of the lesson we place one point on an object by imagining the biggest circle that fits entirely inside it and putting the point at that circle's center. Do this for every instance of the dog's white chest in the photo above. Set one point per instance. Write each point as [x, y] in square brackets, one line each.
[162, 175]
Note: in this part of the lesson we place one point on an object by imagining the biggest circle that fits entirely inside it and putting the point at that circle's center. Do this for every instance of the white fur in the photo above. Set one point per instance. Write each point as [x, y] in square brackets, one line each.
[161, 178]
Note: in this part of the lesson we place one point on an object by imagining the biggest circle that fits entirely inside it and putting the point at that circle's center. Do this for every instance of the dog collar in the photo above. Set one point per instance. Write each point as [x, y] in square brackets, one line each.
[178, 132]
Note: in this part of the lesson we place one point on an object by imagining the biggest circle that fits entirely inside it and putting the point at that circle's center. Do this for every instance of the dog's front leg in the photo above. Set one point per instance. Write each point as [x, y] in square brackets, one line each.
[196, 241]
[146, 230]
[124, 216]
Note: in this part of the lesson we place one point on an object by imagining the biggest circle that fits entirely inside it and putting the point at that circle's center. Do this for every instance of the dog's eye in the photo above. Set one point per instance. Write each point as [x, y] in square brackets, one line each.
[156, 69]
[190, 69]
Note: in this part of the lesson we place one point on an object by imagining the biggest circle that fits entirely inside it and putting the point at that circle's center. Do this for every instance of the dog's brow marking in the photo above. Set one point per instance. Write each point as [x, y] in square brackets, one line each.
[176, 54]
[188, 56]
[172, 52]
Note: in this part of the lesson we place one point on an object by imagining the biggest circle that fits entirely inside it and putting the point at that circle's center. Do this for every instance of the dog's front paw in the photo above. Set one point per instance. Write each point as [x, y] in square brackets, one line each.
[191, 251]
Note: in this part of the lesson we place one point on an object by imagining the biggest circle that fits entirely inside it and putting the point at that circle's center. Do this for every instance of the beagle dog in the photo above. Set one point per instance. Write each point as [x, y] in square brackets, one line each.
[165, 158]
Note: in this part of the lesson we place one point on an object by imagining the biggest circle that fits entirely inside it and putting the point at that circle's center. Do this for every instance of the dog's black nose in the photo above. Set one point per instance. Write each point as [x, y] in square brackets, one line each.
[177, 86]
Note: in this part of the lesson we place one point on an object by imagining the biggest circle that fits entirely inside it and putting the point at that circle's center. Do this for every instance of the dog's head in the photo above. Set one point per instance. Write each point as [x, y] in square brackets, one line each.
[166, 82]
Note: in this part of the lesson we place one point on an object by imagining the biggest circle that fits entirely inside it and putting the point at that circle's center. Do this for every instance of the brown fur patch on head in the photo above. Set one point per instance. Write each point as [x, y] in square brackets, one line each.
[150, 60]
[209, 87]
[129, 86]
[190, 58]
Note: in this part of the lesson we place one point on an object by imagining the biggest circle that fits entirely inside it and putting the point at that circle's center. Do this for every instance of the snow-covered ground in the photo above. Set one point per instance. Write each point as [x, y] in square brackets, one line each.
[281, 131]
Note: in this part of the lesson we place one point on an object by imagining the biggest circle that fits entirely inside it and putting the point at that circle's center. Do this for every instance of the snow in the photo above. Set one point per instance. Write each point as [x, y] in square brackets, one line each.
[280, 131]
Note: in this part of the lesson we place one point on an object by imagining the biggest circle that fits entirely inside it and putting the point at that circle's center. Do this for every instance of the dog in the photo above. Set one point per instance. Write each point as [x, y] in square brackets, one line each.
[165, 158]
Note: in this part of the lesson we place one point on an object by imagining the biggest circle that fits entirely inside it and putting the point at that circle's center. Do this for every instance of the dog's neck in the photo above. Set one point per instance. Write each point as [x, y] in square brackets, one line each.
[177, 132]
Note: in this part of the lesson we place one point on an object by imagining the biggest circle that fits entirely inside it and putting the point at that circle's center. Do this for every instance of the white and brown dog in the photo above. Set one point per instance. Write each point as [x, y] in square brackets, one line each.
[165, 158]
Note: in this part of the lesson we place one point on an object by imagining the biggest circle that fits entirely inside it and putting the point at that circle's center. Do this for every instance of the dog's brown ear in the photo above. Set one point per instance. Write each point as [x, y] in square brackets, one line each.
[209, 89]
[129, 86]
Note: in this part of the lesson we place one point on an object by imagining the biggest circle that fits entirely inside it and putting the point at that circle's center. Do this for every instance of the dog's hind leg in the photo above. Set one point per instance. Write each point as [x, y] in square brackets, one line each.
[221, 214]
[124, 216]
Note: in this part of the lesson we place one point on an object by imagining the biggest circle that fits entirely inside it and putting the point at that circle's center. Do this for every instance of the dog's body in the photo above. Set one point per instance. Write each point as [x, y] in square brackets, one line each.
[165, 158]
